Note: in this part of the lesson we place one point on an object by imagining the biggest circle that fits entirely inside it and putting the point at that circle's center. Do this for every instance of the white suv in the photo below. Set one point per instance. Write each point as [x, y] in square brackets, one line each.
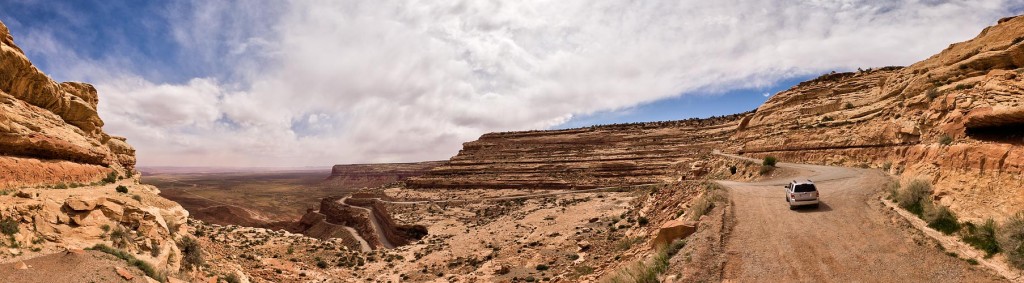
[799, 193]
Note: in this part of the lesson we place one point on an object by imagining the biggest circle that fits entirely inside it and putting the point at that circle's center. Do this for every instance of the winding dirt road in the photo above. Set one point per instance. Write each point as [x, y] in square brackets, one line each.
[849, 238]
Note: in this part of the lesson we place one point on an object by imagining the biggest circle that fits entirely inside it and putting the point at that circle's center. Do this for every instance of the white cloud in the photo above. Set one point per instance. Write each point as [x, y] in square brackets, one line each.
[324, 82]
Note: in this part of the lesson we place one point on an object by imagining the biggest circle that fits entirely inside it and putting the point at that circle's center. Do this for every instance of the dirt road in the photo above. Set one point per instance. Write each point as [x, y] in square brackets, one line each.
[849, 238]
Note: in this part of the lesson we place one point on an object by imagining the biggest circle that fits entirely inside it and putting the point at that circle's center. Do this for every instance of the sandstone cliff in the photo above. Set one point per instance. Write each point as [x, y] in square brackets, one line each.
[955, 119]
[63, 180]
[50, 132]
[372, 175]
[612, 155]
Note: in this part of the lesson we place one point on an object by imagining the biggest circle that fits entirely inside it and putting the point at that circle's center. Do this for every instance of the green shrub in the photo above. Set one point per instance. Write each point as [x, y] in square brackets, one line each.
[769, 161]
[9, 226]
[848, 105]
[942, 219]
[945, 140]
[121, 189]
[913, 195]
[61, 186]
[111, 178]
[541, 267]
[982, 237]
[191, 253]
[1011, 240]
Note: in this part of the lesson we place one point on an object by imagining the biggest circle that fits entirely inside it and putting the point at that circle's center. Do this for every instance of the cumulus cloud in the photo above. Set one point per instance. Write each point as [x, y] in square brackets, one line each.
[324, 82]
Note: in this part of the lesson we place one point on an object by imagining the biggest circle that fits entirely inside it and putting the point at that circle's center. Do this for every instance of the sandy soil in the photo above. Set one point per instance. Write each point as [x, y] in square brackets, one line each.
[92, 266]
[850, 238]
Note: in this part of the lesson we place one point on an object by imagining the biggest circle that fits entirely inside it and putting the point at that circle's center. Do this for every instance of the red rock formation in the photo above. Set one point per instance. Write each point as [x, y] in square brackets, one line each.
[372, 175]
[613, 155]
[50, 132]
[368, 217]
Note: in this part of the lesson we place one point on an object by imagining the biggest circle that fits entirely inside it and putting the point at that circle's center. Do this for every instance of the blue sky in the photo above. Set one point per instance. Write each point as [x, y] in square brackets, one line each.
[298, 83]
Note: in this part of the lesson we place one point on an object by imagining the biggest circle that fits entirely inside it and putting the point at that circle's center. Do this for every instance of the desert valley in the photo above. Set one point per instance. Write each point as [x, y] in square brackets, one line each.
[919, 167]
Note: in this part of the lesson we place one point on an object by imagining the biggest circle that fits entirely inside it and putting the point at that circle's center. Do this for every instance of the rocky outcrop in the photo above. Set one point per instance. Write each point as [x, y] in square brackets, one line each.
[954, 119]
[612, 155]
[80, 218]
[372, 175]
[41, 119]
[60, 174]
[368, 217]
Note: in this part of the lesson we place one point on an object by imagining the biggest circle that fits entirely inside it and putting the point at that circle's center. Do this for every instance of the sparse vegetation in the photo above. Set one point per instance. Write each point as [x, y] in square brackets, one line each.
[732, 169]
[121, 189]
[61, 186]
[647, 271]
[886, 166]
[142, 265]
[121, 237]
[712, 194]
[765, 170]
[941, 218]
[192, 253]
[963, 86]
[110, 178]
[982, 237]
[1011, 240]
[913, 195]
[9, 226]
[932, 93]
[848, 105]
[769, 161]
[945, 140]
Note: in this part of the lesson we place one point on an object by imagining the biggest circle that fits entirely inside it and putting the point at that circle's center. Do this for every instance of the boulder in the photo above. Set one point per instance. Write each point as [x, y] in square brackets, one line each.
[672, 230]
[89, 218]
[21, 265]
[82, 203]
[124, 273]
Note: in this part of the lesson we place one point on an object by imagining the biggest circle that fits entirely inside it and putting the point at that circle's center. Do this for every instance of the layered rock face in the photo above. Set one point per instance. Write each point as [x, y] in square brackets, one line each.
[368, 217]
[54, 152]
[50, 132]
[614, 155]
[954, 119]
[372, 175]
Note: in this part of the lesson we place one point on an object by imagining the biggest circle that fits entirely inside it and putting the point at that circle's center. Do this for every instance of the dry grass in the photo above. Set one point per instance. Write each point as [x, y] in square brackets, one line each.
[1011, 240]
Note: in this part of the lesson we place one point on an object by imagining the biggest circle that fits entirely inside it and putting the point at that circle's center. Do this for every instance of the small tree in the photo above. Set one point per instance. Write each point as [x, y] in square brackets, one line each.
[769, 161]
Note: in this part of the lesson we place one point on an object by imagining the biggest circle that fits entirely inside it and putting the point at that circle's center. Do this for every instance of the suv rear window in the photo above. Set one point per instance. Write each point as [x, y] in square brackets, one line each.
[803, 188]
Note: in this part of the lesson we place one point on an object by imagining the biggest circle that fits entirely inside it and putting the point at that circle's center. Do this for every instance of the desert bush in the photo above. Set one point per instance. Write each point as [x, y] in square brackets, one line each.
[1011, 240]
[769, 161]
[886, 166]
[932, 93]
[643, 221]
[945, 140]
[647, 271]
[110, 178]
[982, 237]
[61, 186]
[848, 105]
[894, 189]
[9, 226]
[191, 253]
[232, 278]
[941, 218]
[542, 267]
[154, 250]
[712, 194]
[913, 195]
[121, 237]
[963, 86]
[827, 119]
[732, 169]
